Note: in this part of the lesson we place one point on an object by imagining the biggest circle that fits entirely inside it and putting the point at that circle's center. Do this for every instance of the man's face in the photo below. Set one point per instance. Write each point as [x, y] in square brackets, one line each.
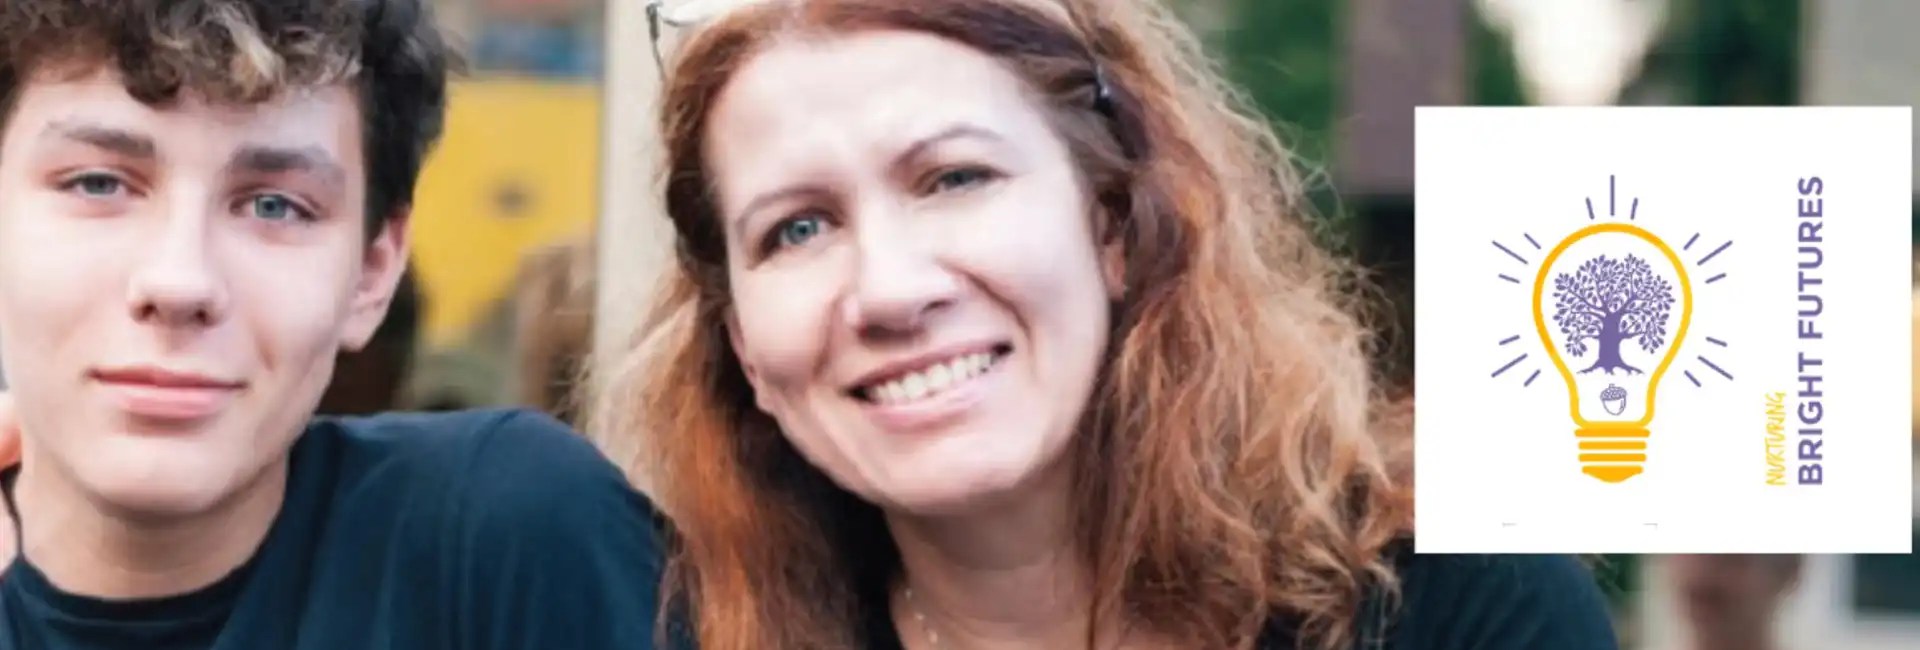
[175, 282]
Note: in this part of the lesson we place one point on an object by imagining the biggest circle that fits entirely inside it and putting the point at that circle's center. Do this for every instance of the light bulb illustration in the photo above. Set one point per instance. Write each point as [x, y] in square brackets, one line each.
[1611, 304]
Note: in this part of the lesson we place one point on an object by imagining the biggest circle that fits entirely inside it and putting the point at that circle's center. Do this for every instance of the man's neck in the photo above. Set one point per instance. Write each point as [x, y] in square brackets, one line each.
[85, 550]
[1003, 577]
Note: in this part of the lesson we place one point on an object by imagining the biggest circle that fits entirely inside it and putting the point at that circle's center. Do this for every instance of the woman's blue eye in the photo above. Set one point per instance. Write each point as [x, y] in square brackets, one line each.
[958, 179]
[796, 232]
[273, 208]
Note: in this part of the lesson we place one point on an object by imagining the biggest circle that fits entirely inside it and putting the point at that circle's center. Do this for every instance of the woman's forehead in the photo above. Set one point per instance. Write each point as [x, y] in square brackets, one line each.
[687, 16]
[866, 95]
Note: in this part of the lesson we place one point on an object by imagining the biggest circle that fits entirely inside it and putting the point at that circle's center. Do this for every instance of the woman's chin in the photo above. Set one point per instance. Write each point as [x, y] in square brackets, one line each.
[942, 503]
[959, 492]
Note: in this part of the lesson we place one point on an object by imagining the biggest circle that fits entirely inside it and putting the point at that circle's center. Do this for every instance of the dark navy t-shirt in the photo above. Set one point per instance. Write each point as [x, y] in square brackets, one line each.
[1458, 602]
[479, 530]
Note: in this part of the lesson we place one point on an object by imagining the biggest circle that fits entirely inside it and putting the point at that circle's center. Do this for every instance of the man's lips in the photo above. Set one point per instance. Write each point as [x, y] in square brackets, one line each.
[157, 377]
[164, 395]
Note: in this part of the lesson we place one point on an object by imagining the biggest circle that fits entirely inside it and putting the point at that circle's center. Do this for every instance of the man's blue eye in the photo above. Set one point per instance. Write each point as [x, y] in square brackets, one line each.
[98, 185]
[273, 208]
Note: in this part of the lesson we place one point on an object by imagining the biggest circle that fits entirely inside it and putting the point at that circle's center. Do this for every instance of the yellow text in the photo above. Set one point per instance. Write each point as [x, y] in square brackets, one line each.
[1776, 439]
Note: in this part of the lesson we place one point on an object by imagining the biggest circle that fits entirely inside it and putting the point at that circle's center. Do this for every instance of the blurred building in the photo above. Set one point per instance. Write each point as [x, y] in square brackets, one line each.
[518, 170]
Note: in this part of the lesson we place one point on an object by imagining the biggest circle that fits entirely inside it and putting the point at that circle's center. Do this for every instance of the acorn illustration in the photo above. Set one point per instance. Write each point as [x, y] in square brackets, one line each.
[1614, 399]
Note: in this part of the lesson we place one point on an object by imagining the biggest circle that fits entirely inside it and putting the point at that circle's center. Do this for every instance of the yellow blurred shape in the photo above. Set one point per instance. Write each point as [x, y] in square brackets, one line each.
[517, 169]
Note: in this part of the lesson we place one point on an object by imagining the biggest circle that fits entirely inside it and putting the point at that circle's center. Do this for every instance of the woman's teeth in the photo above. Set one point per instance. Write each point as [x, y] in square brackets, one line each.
[933, 380]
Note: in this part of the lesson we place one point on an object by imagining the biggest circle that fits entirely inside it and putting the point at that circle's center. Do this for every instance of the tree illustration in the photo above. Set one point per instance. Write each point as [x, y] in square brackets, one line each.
[1607, 301]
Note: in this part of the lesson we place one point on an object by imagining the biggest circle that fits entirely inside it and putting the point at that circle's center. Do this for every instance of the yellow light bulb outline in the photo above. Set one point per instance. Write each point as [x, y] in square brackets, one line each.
[1553, 351]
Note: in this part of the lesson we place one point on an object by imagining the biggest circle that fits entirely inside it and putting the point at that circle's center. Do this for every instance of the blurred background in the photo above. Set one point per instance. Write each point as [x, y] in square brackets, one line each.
[504, 307]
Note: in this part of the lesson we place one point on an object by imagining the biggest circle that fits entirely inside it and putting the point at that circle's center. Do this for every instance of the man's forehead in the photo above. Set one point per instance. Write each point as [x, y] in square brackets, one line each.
[60, 105]
[314, 133]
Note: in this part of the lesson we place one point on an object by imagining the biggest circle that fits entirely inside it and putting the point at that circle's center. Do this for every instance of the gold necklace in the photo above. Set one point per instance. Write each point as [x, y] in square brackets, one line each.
[920, 619]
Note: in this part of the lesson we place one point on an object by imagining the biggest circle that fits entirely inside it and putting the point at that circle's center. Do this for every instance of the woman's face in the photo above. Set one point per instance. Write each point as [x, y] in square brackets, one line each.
[918, 296]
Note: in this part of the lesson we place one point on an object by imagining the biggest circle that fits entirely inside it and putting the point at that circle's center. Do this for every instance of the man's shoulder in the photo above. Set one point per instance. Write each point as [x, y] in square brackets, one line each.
[488, 467]
[436, 433]
[452, 443]
[504, 516]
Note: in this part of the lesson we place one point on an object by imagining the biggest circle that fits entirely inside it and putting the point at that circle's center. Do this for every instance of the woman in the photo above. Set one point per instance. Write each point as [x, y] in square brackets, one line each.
[997, 324]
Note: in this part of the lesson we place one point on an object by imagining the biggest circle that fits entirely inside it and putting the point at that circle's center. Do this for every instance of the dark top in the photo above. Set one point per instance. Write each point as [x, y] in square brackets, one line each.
[479, 530]
[1465, 602]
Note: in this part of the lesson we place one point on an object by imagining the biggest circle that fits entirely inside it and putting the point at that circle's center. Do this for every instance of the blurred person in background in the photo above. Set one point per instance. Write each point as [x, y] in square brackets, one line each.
[202, 203]
[553, 315]
[1731, 602]
[373, 379]
[995, 325]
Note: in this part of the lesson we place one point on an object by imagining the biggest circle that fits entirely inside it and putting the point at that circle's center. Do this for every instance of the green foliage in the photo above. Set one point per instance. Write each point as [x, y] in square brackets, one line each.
[1288, 55]
[1740, 52]
[1496, 77]
[1285, 55]
[1619, 578]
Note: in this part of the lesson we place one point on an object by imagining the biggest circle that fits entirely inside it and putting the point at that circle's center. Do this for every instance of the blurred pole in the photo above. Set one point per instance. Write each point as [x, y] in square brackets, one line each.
[1400, 54]
[633, 235]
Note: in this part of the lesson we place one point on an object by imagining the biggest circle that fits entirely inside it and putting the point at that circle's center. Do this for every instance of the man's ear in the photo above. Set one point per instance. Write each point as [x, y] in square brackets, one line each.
[382, 265]
[740, 357]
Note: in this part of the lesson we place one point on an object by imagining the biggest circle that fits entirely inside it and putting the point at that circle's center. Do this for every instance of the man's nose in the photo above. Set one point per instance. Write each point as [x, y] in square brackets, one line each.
[178, 284]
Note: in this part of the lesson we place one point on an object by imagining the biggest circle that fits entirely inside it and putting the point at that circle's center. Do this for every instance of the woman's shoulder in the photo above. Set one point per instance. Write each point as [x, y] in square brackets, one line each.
[1499, 602]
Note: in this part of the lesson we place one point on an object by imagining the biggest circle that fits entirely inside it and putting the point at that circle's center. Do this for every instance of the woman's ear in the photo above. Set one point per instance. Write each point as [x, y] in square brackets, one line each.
[740, 357]
[1113, 268]
[1112, 251]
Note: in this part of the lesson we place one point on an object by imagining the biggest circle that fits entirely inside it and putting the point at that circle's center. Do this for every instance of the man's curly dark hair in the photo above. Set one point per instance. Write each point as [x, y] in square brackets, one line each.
[247, 51]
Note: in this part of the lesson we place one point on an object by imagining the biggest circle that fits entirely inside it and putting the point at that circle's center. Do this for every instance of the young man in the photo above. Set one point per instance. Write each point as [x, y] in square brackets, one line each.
[201, 203]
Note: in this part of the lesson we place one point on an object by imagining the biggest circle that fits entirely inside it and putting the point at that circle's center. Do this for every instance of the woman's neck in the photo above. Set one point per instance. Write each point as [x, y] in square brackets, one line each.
[1758, 636]
[85, 550]
[1008, 576]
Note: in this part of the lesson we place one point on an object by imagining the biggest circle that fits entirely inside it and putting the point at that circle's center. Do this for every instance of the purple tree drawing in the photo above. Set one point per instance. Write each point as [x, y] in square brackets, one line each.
[1607, 301]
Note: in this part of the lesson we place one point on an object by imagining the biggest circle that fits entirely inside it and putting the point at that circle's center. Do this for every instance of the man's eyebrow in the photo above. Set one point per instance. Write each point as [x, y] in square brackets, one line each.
[114, 140]
[266, 160]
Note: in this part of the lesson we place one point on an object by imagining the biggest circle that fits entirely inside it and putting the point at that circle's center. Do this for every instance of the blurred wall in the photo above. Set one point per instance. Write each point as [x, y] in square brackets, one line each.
[630, 208]
[1862, 52]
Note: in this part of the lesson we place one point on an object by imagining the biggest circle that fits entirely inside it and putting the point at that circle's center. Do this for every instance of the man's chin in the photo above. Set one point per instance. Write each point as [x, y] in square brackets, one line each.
[156, 488]
[157, 505]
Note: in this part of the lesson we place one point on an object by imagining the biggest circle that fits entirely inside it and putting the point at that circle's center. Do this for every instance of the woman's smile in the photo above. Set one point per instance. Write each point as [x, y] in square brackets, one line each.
[934, 393]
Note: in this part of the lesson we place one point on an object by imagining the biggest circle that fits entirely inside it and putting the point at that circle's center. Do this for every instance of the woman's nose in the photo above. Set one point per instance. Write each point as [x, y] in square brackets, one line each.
[899, 285]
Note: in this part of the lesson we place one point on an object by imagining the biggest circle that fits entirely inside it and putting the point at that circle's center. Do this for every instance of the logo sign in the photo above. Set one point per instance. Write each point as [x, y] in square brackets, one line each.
[1664, 330]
